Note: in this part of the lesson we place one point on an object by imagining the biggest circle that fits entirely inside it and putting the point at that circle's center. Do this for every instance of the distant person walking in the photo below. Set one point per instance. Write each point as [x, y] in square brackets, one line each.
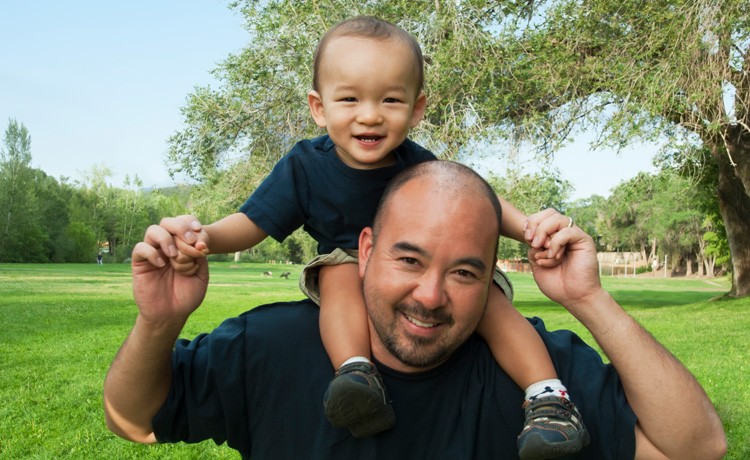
[99, 258]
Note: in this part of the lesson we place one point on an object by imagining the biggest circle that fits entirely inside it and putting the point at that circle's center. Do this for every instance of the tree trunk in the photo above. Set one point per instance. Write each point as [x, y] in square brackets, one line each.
[112, 244]
[701, 255]
[711, 266]
[734, 206]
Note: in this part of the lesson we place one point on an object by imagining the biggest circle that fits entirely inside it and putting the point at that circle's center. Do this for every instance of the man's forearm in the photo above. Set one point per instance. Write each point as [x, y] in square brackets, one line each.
[674, 413]
[139, 379]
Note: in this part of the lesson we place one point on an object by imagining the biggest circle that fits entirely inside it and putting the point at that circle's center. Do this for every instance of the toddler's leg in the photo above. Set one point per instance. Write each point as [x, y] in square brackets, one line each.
[343, 317]
[514, 343]
[356, 398]
[553, 425]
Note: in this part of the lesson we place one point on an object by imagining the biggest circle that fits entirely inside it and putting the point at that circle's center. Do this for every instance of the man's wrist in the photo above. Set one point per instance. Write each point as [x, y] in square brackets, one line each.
[597, 311]
[162, 328]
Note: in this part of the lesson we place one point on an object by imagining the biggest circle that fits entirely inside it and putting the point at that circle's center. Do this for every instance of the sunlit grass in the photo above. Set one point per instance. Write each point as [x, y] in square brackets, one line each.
[62, 325]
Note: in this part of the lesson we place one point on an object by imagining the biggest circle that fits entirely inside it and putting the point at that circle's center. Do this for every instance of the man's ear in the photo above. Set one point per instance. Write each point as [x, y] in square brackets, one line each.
[315, 102]
[365, 249]
[417, 112]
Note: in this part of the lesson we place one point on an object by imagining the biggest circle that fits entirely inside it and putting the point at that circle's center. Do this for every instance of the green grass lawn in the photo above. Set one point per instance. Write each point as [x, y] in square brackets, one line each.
[62, 325]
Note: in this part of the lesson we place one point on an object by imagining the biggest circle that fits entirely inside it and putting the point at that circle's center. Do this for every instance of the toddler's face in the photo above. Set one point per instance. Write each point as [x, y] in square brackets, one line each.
[368, 98]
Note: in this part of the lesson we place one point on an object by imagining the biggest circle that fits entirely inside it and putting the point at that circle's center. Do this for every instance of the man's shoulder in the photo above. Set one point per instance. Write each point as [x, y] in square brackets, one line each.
[564, 343]
[265, 323]
[295, 312]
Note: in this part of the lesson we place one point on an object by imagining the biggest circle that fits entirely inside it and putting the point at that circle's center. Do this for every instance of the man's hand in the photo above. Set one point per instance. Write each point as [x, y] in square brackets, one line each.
[162, 292]
[189, 242]
[678, 424]
[139, 379]
[538, 231]
[563, 260]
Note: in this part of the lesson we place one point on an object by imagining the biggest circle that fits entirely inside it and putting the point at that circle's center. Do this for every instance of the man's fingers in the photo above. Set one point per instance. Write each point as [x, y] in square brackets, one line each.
[557, 243]
[161, 238]
[144, 252]
[567, 239]
[533, 221]
[542, 225]
[185, 268]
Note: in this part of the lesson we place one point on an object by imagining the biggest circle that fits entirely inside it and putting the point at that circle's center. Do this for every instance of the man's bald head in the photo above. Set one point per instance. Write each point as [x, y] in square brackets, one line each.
[446, 176]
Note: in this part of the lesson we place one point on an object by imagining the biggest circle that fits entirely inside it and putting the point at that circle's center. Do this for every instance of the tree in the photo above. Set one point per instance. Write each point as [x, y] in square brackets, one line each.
[260, 110]
[586, 213]
[629, 219]
[530, 193]
[544, 69]
[52, 208]
[20, 226]
[664, 211]
[659, 69]
[702, 176]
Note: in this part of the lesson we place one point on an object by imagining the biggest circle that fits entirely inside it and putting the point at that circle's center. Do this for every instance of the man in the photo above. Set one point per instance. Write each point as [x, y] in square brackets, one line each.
[426, 265]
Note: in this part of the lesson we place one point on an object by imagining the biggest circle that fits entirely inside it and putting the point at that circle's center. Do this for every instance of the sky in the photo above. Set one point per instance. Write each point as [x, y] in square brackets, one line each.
[101, 83]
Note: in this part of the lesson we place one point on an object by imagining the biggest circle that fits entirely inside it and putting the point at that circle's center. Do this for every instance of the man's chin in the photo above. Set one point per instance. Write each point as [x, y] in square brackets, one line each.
[417, 354]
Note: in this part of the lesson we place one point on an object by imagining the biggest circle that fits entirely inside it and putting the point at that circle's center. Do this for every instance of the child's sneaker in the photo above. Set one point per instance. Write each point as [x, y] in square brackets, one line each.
[356, 399]
[553, 428]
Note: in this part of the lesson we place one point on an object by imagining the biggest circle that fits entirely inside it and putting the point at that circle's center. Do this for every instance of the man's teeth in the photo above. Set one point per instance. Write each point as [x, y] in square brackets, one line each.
[420, 323]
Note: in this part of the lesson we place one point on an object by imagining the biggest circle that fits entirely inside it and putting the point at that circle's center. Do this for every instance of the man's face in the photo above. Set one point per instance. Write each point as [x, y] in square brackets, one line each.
[426, 277]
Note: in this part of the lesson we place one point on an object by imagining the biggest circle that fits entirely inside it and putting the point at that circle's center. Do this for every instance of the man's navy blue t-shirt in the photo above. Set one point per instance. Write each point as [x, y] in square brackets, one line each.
[311, 187]
[258, 380]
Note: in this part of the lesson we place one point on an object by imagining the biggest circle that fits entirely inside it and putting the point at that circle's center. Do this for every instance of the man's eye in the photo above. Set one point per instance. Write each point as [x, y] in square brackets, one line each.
[409, 260]
[465, 274]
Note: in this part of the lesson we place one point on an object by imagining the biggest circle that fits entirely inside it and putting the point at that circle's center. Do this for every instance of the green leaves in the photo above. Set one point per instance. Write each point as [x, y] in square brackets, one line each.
[631, 70]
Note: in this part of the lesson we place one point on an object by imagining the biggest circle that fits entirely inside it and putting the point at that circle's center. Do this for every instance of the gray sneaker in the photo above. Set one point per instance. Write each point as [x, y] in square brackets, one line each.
[553, 429]
[356, 399]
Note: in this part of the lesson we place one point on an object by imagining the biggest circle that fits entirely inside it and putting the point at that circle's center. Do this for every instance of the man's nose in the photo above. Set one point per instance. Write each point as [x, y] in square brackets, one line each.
[430, 290]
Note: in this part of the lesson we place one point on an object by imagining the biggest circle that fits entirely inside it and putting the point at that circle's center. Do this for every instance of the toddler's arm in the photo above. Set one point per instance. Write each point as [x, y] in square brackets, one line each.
[235, 232]
[533, 230]
[514, 222]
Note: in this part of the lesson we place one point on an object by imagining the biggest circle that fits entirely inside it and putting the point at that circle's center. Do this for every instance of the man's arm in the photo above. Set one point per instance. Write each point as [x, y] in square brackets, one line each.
[675, 417]
[139, 378]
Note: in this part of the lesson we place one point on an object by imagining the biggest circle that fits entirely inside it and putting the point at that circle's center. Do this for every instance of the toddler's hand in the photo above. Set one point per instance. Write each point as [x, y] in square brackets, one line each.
[540, 228]
[190, 242]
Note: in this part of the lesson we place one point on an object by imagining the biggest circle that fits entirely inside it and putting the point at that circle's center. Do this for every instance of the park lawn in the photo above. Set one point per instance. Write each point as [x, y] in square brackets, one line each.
[62, 325]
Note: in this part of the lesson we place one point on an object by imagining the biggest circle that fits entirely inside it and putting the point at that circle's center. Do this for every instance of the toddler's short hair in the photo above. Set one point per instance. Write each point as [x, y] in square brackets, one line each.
[368, 27]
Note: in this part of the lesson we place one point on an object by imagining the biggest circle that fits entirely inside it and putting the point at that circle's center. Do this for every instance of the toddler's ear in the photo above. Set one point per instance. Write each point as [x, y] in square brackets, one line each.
[315, 102]
[417, 112]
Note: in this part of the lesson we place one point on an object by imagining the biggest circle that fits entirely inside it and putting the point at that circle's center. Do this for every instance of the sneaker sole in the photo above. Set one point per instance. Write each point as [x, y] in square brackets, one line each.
[359, 410]
[536, 448]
